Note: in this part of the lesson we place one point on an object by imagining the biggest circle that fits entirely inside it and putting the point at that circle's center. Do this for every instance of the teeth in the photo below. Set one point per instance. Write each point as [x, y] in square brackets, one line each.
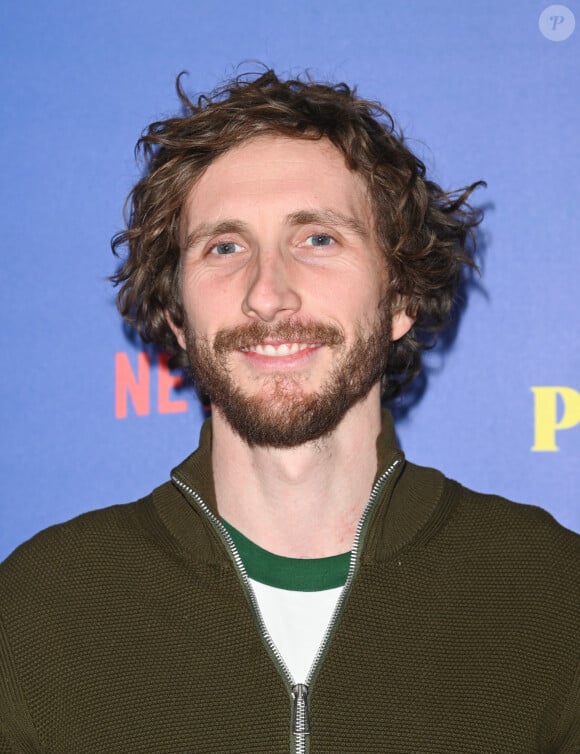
[282, 349]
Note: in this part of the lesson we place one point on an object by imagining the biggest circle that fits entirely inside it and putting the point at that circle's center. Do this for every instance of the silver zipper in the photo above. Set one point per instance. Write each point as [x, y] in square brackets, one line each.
[234, 554]
[352, 568]
[300, 721]
[300, 725]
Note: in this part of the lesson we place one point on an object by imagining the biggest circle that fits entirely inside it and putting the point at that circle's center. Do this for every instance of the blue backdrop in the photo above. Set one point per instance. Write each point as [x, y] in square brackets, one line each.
[481, 90]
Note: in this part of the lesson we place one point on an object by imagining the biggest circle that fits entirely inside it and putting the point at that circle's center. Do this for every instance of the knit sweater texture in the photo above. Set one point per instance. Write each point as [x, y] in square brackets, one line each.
[128, 630]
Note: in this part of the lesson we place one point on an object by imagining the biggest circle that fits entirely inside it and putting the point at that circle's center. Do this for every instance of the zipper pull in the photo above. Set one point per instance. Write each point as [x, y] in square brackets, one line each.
[300, 722]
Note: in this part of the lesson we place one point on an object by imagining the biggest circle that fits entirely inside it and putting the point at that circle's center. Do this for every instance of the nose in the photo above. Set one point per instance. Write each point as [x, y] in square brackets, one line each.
[271, 290]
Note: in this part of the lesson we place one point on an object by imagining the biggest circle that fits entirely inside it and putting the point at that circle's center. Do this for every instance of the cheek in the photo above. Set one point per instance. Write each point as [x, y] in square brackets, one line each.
[211, 305]
[366, 293]
[198, 293]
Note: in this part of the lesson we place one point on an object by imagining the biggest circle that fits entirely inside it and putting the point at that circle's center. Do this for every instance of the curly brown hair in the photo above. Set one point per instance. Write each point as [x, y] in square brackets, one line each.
[426, 233]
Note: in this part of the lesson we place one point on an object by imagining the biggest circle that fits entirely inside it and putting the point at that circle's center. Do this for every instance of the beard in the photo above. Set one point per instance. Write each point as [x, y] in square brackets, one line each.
[283, 414]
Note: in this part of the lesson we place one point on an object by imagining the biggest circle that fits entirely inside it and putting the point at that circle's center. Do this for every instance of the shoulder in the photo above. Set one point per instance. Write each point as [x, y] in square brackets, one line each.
[92, 542]
[85, 526]
[477, 514]
[490, 533]
[518, 547]
[494, 518]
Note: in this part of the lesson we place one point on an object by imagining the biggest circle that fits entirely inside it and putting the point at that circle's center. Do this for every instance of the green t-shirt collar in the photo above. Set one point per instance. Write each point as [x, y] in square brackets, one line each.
[296, 574]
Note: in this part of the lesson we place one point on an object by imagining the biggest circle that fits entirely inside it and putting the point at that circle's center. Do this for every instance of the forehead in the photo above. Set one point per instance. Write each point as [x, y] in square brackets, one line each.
[278, 174]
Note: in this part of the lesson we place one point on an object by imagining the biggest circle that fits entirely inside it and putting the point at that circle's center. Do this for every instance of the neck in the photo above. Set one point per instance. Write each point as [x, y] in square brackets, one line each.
[302, 502]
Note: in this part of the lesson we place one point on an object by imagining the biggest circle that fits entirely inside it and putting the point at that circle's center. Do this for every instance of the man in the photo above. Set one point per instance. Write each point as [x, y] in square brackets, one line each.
[297, 585]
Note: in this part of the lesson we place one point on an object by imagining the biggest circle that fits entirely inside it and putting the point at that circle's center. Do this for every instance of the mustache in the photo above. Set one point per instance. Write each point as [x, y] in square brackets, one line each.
[257, 332]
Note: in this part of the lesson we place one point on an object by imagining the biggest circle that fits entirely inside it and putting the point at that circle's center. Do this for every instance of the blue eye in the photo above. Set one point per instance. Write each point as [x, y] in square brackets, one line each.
[319, 239]
[225, 248]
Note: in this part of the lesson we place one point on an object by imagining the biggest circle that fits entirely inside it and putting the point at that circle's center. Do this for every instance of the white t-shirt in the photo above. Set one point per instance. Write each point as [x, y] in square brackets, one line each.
[297, 622]
[296, 597]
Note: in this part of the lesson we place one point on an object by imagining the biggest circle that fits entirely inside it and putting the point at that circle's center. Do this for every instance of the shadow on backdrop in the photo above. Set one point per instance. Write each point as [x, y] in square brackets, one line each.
[437, 350]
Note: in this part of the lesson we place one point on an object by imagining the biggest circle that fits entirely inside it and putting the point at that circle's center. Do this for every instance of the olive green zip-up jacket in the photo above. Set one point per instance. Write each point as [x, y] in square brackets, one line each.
[130, 630]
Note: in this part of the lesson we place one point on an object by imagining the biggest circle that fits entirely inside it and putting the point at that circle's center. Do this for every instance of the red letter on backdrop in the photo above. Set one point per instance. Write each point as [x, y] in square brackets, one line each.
[166, 382]
[126, 384]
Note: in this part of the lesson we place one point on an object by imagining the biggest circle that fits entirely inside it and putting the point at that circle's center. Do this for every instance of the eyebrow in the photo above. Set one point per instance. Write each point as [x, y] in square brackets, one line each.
[328, 217]
[204, 231]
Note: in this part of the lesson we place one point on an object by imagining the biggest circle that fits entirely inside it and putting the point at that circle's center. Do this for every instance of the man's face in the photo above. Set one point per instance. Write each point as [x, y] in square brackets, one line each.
[284, 290]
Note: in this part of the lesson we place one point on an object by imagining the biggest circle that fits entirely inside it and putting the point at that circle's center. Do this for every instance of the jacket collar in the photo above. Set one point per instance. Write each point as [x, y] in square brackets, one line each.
[404, 507]
[196, 470]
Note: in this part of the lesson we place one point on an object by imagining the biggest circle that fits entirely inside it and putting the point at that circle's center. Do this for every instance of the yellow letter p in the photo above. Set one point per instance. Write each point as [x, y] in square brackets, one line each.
[546, 422]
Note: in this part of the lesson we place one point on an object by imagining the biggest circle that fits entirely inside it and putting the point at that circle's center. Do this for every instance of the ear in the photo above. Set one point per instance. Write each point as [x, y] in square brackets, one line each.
[177, 331]
[401, 323]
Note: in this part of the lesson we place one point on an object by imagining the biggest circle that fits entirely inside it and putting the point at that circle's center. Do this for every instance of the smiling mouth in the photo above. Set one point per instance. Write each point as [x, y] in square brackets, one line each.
[279, 349]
